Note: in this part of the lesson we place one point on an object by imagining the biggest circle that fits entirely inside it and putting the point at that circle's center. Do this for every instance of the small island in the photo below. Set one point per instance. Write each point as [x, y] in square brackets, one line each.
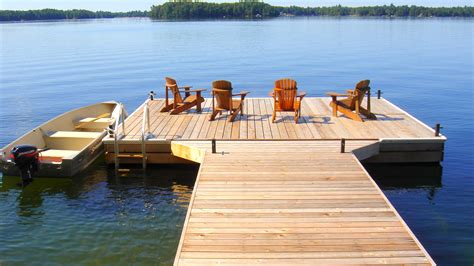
[244, 9]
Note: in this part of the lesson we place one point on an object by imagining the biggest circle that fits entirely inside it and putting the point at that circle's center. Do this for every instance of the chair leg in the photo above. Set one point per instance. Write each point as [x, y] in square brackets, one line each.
[233, 115]
[350, 114]
[367, 113]
[166, 108]
[213, 115]
[182, 108]
[273, 116]
[198, 107]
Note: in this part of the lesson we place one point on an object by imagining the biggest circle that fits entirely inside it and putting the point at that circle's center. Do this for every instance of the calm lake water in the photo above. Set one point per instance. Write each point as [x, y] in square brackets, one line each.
[46, 68]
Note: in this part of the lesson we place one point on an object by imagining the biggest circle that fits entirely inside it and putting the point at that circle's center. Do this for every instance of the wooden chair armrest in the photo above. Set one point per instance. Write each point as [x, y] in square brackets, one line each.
[350, 91]
[301, 94]
[185, 87]
[197, 90]
[335, 94]
[241, 93]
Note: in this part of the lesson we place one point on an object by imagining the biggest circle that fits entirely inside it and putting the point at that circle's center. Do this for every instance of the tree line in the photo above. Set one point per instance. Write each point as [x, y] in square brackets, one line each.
[48, 14]
[204, 10]
[385, 10]
[172, 10]
[243, 10]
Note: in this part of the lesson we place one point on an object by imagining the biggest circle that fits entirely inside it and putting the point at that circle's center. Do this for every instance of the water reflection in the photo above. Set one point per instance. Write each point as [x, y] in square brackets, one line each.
[132, 217]
[426, 176]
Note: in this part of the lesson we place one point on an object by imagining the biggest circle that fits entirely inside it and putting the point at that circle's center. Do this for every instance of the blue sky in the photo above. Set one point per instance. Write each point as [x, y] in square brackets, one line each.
[125, 5]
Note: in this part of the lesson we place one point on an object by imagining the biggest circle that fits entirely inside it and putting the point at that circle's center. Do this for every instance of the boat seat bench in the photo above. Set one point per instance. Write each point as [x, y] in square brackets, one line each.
[94, 120]
[59, 154]
[92, 123]
[71, 140]
[75, 134]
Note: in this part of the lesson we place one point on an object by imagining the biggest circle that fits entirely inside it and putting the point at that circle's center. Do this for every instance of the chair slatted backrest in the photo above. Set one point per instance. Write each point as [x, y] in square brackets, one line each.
[173, 86]
[222, 90]
[359, 93]
[285, 93]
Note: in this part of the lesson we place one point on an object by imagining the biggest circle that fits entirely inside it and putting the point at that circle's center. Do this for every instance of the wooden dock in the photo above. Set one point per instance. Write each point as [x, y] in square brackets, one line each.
[289, 203]
[284, 193]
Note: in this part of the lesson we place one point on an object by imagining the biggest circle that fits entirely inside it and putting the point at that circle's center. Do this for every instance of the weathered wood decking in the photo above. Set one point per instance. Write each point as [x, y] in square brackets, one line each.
[316, 123]
[283, 193]
[289, 203]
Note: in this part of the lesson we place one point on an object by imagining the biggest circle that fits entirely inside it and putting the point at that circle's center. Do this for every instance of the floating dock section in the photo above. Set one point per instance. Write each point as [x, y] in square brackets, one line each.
[284, 193]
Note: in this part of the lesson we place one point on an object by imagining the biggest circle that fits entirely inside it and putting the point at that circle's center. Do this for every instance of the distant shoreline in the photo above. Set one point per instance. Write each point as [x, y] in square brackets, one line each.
[232, 19]
[252, 10]
[56, 14]
[226, 11]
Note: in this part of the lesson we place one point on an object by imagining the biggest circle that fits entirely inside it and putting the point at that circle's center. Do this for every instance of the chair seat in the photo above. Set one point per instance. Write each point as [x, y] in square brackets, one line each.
[345, 103]
[296, 106]
[190, 99]
[236, 104]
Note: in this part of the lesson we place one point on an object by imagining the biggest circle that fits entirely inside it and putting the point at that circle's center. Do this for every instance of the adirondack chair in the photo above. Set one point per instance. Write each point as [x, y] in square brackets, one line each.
[351, 106]
[286, 98]
[222, 100]
[179, 104]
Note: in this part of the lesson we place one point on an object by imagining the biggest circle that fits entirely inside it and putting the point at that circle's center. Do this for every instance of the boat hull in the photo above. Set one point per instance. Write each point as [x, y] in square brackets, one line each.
[72, 149]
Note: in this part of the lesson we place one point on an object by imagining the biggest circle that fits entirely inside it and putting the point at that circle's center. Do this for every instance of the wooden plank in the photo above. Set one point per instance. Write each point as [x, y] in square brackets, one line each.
[233, 130]
[202, 120]
[177, 131]
[186, 134]
[243, 121]
[251, 133]
[266, 120]
[279, 261]
[259, 130]
[220, 127]
[273, 127]
[302, 255]
[206, 124]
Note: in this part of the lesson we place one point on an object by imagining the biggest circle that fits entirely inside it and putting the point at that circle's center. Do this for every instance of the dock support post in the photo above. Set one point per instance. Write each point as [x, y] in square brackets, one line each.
[379, 93]
[343, 145]
[438, 127]
[213, 146]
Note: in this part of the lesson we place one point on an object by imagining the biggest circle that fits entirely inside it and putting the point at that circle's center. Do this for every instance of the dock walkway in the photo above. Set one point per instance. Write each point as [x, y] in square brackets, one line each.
[289, 203]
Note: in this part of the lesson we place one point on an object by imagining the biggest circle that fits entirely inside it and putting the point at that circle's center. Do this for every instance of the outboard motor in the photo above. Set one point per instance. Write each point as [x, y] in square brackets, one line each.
[26, 159]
